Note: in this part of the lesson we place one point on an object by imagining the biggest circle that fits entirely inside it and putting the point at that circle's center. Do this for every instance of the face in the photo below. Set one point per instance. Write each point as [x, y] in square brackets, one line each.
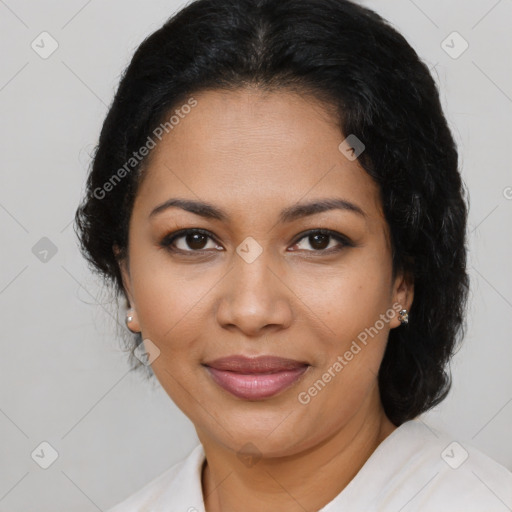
[250, 267]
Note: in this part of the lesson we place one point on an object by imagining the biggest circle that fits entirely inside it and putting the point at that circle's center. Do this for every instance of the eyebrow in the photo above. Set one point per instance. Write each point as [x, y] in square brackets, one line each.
[289, 214]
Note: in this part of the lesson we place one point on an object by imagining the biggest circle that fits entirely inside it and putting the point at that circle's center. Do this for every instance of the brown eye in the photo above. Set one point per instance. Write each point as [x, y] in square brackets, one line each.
[322, 240]
[196, 240]
[319, 241]
[190, 241]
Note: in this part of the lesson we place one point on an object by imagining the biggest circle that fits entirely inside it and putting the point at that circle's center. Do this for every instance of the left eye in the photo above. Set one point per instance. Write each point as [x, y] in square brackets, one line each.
[322, 240]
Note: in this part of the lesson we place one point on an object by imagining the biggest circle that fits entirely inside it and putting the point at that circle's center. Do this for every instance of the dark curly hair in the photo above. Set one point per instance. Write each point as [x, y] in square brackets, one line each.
[354, 61]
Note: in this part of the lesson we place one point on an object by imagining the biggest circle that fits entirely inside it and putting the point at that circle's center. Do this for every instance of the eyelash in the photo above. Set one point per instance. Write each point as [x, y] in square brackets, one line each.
[168, 241]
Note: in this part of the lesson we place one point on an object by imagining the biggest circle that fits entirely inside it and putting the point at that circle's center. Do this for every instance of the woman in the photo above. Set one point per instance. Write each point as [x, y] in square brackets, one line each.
[276, 195]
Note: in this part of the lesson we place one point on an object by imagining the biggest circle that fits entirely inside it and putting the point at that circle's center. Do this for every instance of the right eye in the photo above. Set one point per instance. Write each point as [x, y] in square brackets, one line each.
[189, 241]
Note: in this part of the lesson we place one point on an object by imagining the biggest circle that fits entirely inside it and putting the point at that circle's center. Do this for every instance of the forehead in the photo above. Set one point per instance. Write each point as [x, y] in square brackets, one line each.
[248, 148]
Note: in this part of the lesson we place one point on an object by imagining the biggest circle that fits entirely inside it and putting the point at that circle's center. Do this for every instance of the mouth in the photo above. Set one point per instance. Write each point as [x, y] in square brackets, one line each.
[255, 378]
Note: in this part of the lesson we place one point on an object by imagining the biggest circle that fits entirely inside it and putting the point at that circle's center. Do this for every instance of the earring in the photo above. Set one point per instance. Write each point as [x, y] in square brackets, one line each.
[403, 316]
[129, 318]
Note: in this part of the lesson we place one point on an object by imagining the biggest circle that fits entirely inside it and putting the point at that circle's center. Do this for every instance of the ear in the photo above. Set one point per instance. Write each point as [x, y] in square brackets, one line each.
[402, 296]
[125, 272]
[134, 325]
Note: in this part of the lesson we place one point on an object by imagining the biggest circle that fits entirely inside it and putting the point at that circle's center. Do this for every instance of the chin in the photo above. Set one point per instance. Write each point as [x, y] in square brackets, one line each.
[277, 433]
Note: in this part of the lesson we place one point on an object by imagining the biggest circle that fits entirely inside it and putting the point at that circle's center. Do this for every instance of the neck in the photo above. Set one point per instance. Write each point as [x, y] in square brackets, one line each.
[292, 483]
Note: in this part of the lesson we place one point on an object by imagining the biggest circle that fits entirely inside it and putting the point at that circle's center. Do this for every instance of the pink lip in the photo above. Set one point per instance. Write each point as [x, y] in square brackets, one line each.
[255, 378]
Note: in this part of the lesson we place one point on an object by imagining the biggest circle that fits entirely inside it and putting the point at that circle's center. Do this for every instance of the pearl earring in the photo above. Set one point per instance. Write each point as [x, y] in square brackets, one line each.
[129, 318]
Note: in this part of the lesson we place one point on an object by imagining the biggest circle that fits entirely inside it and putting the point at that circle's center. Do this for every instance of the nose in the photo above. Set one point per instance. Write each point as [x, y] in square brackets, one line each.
[254, 298]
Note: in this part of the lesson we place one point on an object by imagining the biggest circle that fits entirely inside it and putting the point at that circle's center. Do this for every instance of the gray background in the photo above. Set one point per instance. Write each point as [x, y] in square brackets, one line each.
[63, 376]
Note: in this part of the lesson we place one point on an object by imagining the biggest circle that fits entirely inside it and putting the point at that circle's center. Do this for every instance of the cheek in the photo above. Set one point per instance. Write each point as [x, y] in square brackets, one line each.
[341, 385]
[166, 298]
[353, 304]
[350, 298]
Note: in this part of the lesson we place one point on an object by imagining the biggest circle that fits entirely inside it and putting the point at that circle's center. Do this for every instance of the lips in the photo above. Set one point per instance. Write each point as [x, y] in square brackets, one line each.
[255, 378]
[262, 364]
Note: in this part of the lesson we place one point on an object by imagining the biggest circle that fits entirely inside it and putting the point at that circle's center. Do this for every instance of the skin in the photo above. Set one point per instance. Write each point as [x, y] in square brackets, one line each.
[253, 154]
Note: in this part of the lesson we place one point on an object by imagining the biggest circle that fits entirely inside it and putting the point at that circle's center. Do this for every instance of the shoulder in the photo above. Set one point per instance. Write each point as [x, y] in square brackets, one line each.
[421, 469]
[455, 474]
[177, 488]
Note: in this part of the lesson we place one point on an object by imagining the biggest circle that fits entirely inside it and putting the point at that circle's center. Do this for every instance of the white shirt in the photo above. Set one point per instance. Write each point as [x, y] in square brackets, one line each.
[414, 469]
